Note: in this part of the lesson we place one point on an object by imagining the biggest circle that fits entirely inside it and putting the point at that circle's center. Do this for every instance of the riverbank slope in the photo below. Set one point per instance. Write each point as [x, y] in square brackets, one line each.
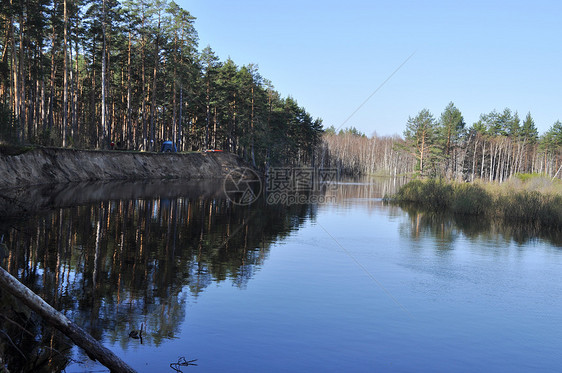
[54, 165]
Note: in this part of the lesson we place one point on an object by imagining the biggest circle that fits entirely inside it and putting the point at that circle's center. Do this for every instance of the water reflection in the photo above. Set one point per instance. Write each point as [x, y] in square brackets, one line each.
[366, 191]
[446, 228]
[114, 257]
[113, 265]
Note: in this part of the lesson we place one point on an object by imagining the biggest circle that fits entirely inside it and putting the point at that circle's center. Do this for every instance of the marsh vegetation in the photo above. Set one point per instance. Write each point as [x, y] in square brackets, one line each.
[530, 199]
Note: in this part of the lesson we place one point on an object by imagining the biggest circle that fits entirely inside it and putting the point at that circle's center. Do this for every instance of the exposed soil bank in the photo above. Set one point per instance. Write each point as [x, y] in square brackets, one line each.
[53, 165]
[22, 200]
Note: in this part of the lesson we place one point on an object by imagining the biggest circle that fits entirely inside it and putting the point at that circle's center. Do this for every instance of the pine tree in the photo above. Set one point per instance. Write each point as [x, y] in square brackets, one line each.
[528, 130]
[421, 139]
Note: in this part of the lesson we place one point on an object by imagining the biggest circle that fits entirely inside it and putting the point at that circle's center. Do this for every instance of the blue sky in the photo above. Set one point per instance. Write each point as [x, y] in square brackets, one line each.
[331, 55]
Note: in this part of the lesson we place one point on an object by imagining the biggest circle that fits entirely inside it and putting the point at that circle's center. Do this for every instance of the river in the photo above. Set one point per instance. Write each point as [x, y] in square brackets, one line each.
[349, 284]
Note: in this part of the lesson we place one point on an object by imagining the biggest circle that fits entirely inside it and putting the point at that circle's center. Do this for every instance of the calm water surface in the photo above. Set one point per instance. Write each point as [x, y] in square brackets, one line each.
[351, 285]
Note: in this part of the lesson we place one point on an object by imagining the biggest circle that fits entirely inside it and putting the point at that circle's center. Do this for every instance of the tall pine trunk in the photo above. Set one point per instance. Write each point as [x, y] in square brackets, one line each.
[174, 109]
[65, 79]
[143, 82]
[15, 82]
[103, 132]
[129, 124]
[153, 110]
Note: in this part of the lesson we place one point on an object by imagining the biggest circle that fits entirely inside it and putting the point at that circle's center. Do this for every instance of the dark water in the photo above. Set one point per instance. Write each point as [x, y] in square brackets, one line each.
[349, 285]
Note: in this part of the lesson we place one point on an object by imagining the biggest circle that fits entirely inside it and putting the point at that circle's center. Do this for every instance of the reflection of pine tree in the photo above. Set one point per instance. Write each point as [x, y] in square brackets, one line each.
[112, 265]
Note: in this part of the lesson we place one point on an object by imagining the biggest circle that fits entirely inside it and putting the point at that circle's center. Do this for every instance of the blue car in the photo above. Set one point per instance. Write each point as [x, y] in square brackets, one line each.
[168, 147]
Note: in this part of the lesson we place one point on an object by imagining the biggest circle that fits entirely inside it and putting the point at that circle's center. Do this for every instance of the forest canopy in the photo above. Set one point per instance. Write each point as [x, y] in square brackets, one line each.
[90, 73]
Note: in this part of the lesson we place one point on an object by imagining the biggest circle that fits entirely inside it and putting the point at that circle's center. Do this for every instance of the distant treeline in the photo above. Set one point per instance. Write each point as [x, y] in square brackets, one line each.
[353, 153]
[88, 73]
[496, 147]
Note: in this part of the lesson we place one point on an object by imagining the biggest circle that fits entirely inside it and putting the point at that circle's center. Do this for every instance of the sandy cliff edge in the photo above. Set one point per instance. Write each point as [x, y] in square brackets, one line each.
[52, 165]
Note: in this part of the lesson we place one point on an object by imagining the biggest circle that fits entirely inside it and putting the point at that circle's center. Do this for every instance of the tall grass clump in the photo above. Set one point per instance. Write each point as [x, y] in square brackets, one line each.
[434, 194]
[529, 200]
[470, 199]
[522, 206]
[530, 207]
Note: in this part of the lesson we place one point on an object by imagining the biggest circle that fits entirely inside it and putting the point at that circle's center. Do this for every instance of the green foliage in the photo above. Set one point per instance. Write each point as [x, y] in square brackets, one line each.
[351, 131]
[421, 127]
[479, 126]
[551, 141]
[330, 130]
[451, 127]
[451, 130]
[505, 123]
[528, 130]
[528, 176]
[513, 125]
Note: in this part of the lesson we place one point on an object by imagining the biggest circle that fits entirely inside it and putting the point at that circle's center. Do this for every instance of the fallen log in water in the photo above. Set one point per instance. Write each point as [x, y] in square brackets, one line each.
[93, 348]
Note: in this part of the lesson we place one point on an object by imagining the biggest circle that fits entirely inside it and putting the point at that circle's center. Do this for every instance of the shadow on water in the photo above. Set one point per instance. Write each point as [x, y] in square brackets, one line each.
[446, 228]
[113, 256]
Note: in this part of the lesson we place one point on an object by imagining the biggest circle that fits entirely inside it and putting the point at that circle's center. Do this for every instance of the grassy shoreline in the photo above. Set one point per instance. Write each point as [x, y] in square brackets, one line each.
[528, 199]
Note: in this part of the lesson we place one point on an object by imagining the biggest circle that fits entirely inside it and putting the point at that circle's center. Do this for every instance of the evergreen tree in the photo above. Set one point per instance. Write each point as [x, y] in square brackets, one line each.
[421, 136]
[528, 130]
[450, 131]
[551, 141]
